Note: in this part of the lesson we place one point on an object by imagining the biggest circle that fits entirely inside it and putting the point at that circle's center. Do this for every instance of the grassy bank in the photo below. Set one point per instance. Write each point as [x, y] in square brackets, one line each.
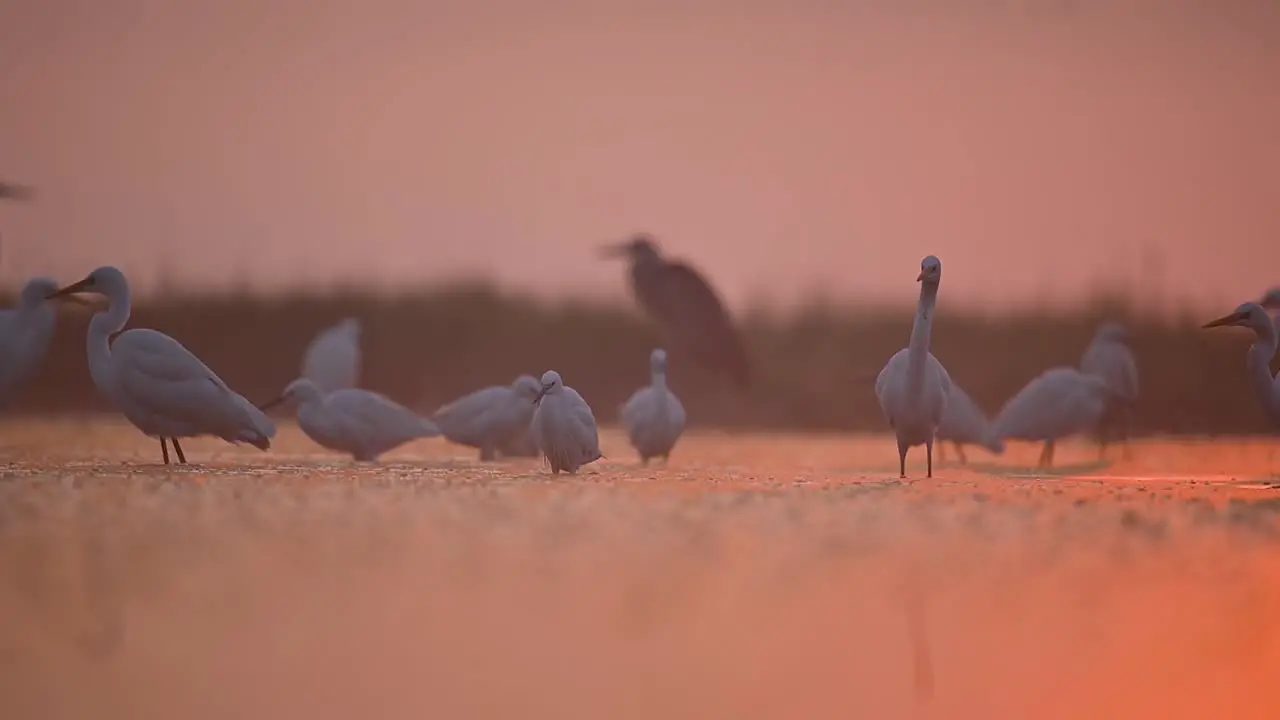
[814, 368]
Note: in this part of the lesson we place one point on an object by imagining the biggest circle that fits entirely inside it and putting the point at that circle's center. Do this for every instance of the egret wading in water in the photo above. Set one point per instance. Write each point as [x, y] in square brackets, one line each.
[563, 426]
[332, 359]
[159, 385]
[1057, 403]
[1258, 361]
[680, 300]
[913, 386]
[964, 423]
[1109, 357]
[494, 420]
[25, 332]
[653, 416]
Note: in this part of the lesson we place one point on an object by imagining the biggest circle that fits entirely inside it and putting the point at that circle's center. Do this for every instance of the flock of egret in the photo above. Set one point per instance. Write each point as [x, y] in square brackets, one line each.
[169, 394]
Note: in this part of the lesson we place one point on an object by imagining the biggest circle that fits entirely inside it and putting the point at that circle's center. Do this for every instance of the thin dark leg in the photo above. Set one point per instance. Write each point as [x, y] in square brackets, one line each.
[1126, 425]
[1044, 455]
[1049, 447]
[164, 449]
[182, 458]
[487, 453]
[928, 452]
[902, 459]
[960, 451]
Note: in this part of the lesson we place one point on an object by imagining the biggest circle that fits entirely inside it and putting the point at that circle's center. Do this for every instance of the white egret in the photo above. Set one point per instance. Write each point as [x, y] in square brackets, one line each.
[494, 419]
[159, 385]
[332, 359]
[1109, 357]
[1059, 402]
[653, 416]
[913, 386]
[359, 422]
[563, 426]
[964, 423]
[679, 299]
[1258, 363]
[25, 332]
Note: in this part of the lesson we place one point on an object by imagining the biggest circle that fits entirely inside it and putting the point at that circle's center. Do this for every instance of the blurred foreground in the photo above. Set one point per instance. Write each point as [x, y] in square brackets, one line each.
[813, 370]
[766, 576]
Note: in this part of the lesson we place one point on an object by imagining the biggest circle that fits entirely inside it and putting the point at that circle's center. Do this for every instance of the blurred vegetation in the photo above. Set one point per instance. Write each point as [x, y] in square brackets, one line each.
[814, 368]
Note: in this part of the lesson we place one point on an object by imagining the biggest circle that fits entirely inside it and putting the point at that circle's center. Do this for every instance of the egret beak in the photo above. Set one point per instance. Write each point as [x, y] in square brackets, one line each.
[1231, 319]
[71, 289]
[920, 277]
[272, 403]
[615, 250]
[543, 391]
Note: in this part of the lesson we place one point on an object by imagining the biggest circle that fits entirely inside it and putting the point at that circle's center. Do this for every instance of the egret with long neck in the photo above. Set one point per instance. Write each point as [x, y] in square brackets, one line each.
[653, 416]
[913, 386]
[1258, 364]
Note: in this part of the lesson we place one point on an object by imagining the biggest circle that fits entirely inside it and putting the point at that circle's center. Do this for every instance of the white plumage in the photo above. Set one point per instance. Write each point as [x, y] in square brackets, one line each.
[653, 416]
[494, 419]
[159, 385]
[1057, 403]
[1109, 357]
[964, 423]
[25, 332]
[332, 359]
[359, 422]
[563, 426]
[913, 386]
[1258, 362]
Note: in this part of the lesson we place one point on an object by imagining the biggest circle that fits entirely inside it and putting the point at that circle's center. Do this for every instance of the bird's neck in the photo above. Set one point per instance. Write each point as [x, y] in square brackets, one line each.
[921, 336]
[1260, 355]
[101, 328]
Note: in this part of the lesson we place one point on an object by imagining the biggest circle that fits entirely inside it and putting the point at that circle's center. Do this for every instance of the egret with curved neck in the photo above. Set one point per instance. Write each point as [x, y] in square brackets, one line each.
[913, 386]
[159, 385]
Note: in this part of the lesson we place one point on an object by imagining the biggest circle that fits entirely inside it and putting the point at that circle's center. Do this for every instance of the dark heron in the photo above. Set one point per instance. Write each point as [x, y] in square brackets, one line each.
[14, 191]
[679, 299]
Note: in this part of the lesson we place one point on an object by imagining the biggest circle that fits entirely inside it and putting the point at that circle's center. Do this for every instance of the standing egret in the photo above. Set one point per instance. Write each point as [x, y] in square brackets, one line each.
[913, 386]
[1059, 402]
[563, 426]
[964, 423]
[683, 303]
[1265, 387]
[351, 420]
[25, 332]
[494, 419]
[1109, 357]
[653, 416]
[332, 359]
[163, 389]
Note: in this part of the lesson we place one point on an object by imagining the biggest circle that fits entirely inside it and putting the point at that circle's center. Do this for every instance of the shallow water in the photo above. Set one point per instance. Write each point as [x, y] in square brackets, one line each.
[755, 577]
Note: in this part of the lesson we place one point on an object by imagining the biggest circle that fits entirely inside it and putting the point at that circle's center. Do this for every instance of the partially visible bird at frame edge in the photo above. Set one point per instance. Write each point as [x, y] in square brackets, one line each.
[680, 300]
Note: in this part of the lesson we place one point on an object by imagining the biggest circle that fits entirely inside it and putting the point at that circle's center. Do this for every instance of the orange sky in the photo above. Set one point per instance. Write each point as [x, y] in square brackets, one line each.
[1037, 147]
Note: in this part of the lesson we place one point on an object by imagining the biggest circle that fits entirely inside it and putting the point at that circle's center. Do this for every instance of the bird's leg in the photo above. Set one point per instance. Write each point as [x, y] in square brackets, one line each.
[902, 459]
[182, 458]
[1044, 455]
[928, 453]
[1049, 460]
[644, 461]
[486, 454]
[1127, 423]
[164, 449]
[960, 451]
[666, 458]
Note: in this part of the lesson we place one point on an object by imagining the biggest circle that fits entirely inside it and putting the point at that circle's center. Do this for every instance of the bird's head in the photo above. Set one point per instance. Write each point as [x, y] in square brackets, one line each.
[300, 390]
[640, 247]
[527, 386]
[658, 362]
[106, 280]
[930, 271]
[1112, 331]
[1270, 299]
[1250, 315]
[551, 384]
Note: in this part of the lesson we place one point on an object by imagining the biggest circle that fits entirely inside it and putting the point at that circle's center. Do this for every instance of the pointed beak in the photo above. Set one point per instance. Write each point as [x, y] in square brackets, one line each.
[272, 403]
[69, 290]
[543, 391]
[920, 277]
[614, 250]
[1231, 319]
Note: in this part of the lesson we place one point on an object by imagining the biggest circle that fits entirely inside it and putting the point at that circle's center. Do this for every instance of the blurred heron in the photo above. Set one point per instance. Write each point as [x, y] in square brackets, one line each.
[913, 386]
[653, 415]
[1109, 357]
[683, 303]
[564, 426]
[1057, 403]
[964, 423]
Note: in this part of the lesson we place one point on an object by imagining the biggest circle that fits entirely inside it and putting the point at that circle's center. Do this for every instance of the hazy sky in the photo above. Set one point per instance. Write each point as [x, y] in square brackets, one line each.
[1037, 147]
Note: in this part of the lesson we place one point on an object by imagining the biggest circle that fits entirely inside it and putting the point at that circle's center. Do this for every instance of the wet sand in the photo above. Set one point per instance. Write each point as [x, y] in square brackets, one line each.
[758, 576]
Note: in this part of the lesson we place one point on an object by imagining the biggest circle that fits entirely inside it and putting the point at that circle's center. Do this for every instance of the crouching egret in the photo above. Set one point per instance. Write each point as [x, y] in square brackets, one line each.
[1057, 403]
[913, 386]
[653, 416]
[563, 426]
[159, 385]
[350, 420]
[25, 332]
[493, 419]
